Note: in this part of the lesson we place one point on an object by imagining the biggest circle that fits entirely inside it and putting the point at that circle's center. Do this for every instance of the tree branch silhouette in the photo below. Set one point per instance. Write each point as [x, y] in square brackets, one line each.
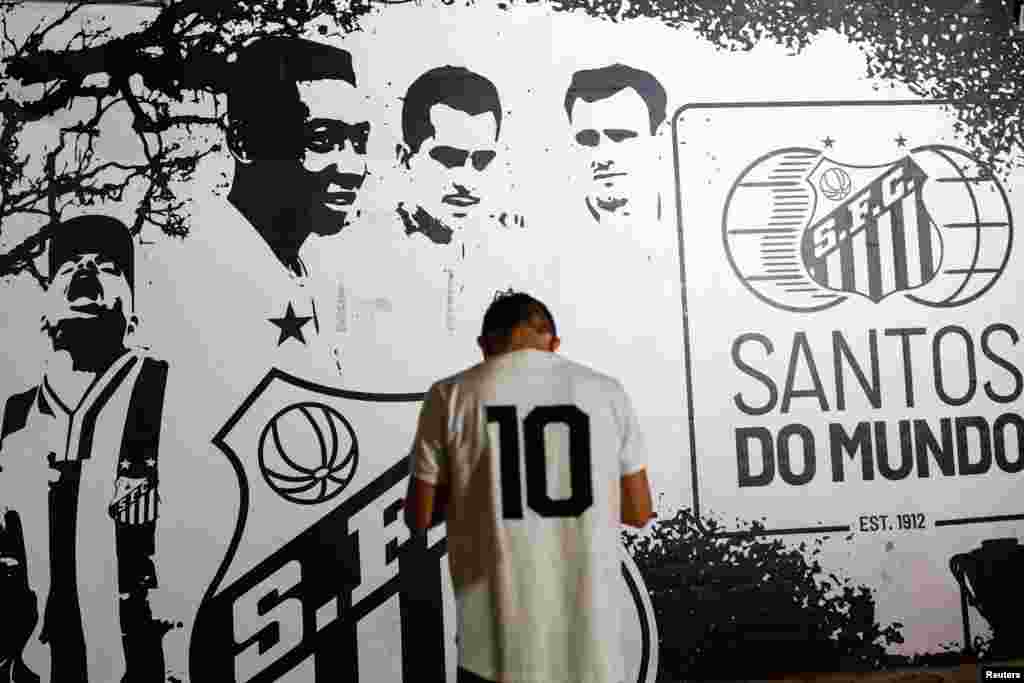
[166, 75]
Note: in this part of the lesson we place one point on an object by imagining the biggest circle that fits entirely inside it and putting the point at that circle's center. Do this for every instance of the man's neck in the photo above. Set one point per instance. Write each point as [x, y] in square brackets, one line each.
[281, 227]
[650, 209]
[69, 382]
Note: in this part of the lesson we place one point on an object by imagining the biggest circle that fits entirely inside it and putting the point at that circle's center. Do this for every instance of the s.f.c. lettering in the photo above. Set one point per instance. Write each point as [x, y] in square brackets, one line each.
[268, 621]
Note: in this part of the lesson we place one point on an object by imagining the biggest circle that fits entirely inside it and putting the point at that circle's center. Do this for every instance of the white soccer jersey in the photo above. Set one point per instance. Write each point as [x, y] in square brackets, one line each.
[533, 447]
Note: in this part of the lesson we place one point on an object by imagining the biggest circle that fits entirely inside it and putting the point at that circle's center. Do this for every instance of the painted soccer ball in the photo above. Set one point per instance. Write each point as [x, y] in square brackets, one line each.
[308, 453]
[835, 184]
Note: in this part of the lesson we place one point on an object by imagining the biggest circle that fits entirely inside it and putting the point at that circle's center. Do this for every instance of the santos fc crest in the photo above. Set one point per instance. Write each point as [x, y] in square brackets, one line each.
[804, 232]
[322, 581]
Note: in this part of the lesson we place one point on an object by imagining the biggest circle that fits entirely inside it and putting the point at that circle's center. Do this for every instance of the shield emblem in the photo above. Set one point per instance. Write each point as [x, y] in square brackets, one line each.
[871, 233]
[322, 580]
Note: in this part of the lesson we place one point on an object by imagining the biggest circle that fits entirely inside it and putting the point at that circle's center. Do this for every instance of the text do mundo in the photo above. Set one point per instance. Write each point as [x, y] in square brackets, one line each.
[947, 367]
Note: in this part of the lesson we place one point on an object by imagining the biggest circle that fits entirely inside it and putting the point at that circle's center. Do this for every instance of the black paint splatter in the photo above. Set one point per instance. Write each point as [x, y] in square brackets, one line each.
[934, 47]
[167, 71]
[422, 222]
[716, 597]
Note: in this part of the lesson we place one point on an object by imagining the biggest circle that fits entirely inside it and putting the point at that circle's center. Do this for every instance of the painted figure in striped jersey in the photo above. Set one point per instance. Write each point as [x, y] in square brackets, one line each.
[78, 478]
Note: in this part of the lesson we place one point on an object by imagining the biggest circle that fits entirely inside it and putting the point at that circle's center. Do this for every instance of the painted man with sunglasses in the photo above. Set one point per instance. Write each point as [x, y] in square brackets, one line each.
[451, 119]
[614, 112]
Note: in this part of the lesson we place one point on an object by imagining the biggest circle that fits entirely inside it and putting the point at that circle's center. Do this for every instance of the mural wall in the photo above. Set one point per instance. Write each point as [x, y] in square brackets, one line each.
[238, 241]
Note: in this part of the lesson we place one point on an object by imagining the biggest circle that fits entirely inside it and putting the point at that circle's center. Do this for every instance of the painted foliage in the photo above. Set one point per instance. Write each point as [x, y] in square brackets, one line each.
[239, 240]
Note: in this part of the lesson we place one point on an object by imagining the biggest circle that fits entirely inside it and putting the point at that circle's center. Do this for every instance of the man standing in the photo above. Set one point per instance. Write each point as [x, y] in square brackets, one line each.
[78, 478]
[451, 119]
[533, 461]
[615, 111]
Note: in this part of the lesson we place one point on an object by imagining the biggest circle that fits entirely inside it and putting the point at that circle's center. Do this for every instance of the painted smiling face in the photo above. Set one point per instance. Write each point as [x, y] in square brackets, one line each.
[332, 165]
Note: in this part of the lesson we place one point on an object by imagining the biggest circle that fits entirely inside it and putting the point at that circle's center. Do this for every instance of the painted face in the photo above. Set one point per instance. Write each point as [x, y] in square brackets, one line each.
[333, 163]
[90, 286]
[451, 168]
[613, 137]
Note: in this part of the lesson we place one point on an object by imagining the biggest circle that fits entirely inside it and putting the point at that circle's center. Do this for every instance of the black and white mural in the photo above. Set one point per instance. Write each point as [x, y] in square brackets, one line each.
[457, 114]
[615, 111]
[81, 488]
[239, 240]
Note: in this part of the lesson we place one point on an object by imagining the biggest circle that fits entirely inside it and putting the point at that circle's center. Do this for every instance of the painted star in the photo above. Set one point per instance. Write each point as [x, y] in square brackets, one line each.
[901, 141]
[123, 464]
[828, 142]
[291, 325]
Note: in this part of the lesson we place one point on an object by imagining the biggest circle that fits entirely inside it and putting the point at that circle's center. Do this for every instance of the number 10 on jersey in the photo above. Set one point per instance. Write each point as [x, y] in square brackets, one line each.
[537, 496]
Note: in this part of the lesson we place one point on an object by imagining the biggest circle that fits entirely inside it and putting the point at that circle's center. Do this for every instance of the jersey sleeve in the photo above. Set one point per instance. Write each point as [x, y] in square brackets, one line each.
[633, 452]
[428, 460]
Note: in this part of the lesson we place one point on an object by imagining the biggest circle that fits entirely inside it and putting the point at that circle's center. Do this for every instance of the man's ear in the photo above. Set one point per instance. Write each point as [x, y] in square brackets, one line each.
[402, 154]
[555, 343]
[482, 343]
[133, 324]
[236, 143]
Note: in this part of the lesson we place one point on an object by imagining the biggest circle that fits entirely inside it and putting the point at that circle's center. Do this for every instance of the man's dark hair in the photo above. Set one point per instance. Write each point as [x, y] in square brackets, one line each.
[591, 85]
[455, 86]
[509, 311]
[93, 233]
[264, 108]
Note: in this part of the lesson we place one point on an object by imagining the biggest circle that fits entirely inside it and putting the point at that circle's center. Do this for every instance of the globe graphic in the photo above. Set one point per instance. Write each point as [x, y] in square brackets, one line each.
[766, 212]
[308, 453]
[972, 213]
[960, 205]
